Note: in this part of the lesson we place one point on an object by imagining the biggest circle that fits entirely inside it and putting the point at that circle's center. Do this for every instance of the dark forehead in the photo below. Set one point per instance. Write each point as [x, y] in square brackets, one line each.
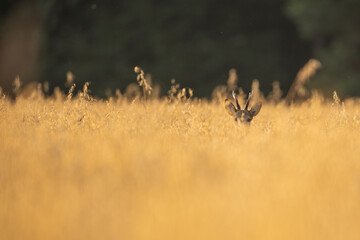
[240, 112]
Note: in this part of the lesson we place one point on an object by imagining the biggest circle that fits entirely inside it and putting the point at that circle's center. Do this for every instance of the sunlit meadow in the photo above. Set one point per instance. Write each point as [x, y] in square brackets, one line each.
[72, 167]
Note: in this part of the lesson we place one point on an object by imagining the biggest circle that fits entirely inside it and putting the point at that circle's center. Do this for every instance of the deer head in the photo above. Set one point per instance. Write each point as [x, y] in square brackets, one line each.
[245, 115]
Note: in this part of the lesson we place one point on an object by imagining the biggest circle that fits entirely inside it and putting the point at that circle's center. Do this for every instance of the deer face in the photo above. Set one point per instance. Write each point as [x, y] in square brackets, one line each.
[244, 115]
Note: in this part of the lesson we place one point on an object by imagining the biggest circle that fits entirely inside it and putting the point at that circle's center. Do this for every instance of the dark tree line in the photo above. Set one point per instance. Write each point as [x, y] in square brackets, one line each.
[198, 41]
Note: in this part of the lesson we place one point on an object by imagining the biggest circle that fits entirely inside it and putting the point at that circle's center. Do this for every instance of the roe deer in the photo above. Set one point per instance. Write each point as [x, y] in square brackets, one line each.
[245, 116]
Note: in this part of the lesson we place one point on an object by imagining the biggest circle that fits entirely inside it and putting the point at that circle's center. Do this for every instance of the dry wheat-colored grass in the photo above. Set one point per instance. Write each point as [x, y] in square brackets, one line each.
[83, 169]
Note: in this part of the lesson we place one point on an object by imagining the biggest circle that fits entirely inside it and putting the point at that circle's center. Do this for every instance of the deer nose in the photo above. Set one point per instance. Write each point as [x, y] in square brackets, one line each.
[242, 117]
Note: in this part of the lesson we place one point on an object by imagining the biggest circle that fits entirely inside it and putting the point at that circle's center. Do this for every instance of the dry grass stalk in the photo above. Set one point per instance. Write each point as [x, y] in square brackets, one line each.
[71, 92]
[16, 85]
[276, 93]
[69, 79]
[297, 88]
[232, 82]
[141, 79]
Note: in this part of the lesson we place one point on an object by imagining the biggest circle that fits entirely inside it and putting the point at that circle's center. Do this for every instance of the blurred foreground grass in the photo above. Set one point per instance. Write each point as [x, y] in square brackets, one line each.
[112, 169]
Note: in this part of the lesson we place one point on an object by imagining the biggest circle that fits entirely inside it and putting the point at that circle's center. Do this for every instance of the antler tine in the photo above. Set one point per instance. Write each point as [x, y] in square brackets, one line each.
[234, 95]
[248, 100]
[237, 103]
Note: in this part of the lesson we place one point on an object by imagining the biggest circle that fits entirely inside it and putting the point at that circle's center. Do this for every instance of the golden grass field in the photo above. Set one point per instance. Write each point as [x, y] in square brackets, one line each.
[116, 169]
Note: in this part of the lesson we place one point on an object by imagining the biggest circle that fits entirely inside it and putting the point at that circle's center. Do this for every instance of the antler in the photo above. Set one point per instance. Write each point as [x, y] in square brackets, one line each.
[236, 101]
[248, 100]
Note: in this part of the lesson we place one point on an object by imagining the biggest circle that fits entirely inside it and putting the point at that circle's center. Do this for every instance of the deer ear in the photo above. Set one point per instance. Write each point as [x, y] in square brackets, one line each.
[255, 109]
[230, 108]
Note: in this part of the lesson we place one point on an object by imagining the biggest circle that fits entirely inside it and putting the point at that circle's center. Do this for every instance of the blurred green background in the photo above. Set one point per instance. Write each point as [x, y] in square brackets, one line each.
[194, 41]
